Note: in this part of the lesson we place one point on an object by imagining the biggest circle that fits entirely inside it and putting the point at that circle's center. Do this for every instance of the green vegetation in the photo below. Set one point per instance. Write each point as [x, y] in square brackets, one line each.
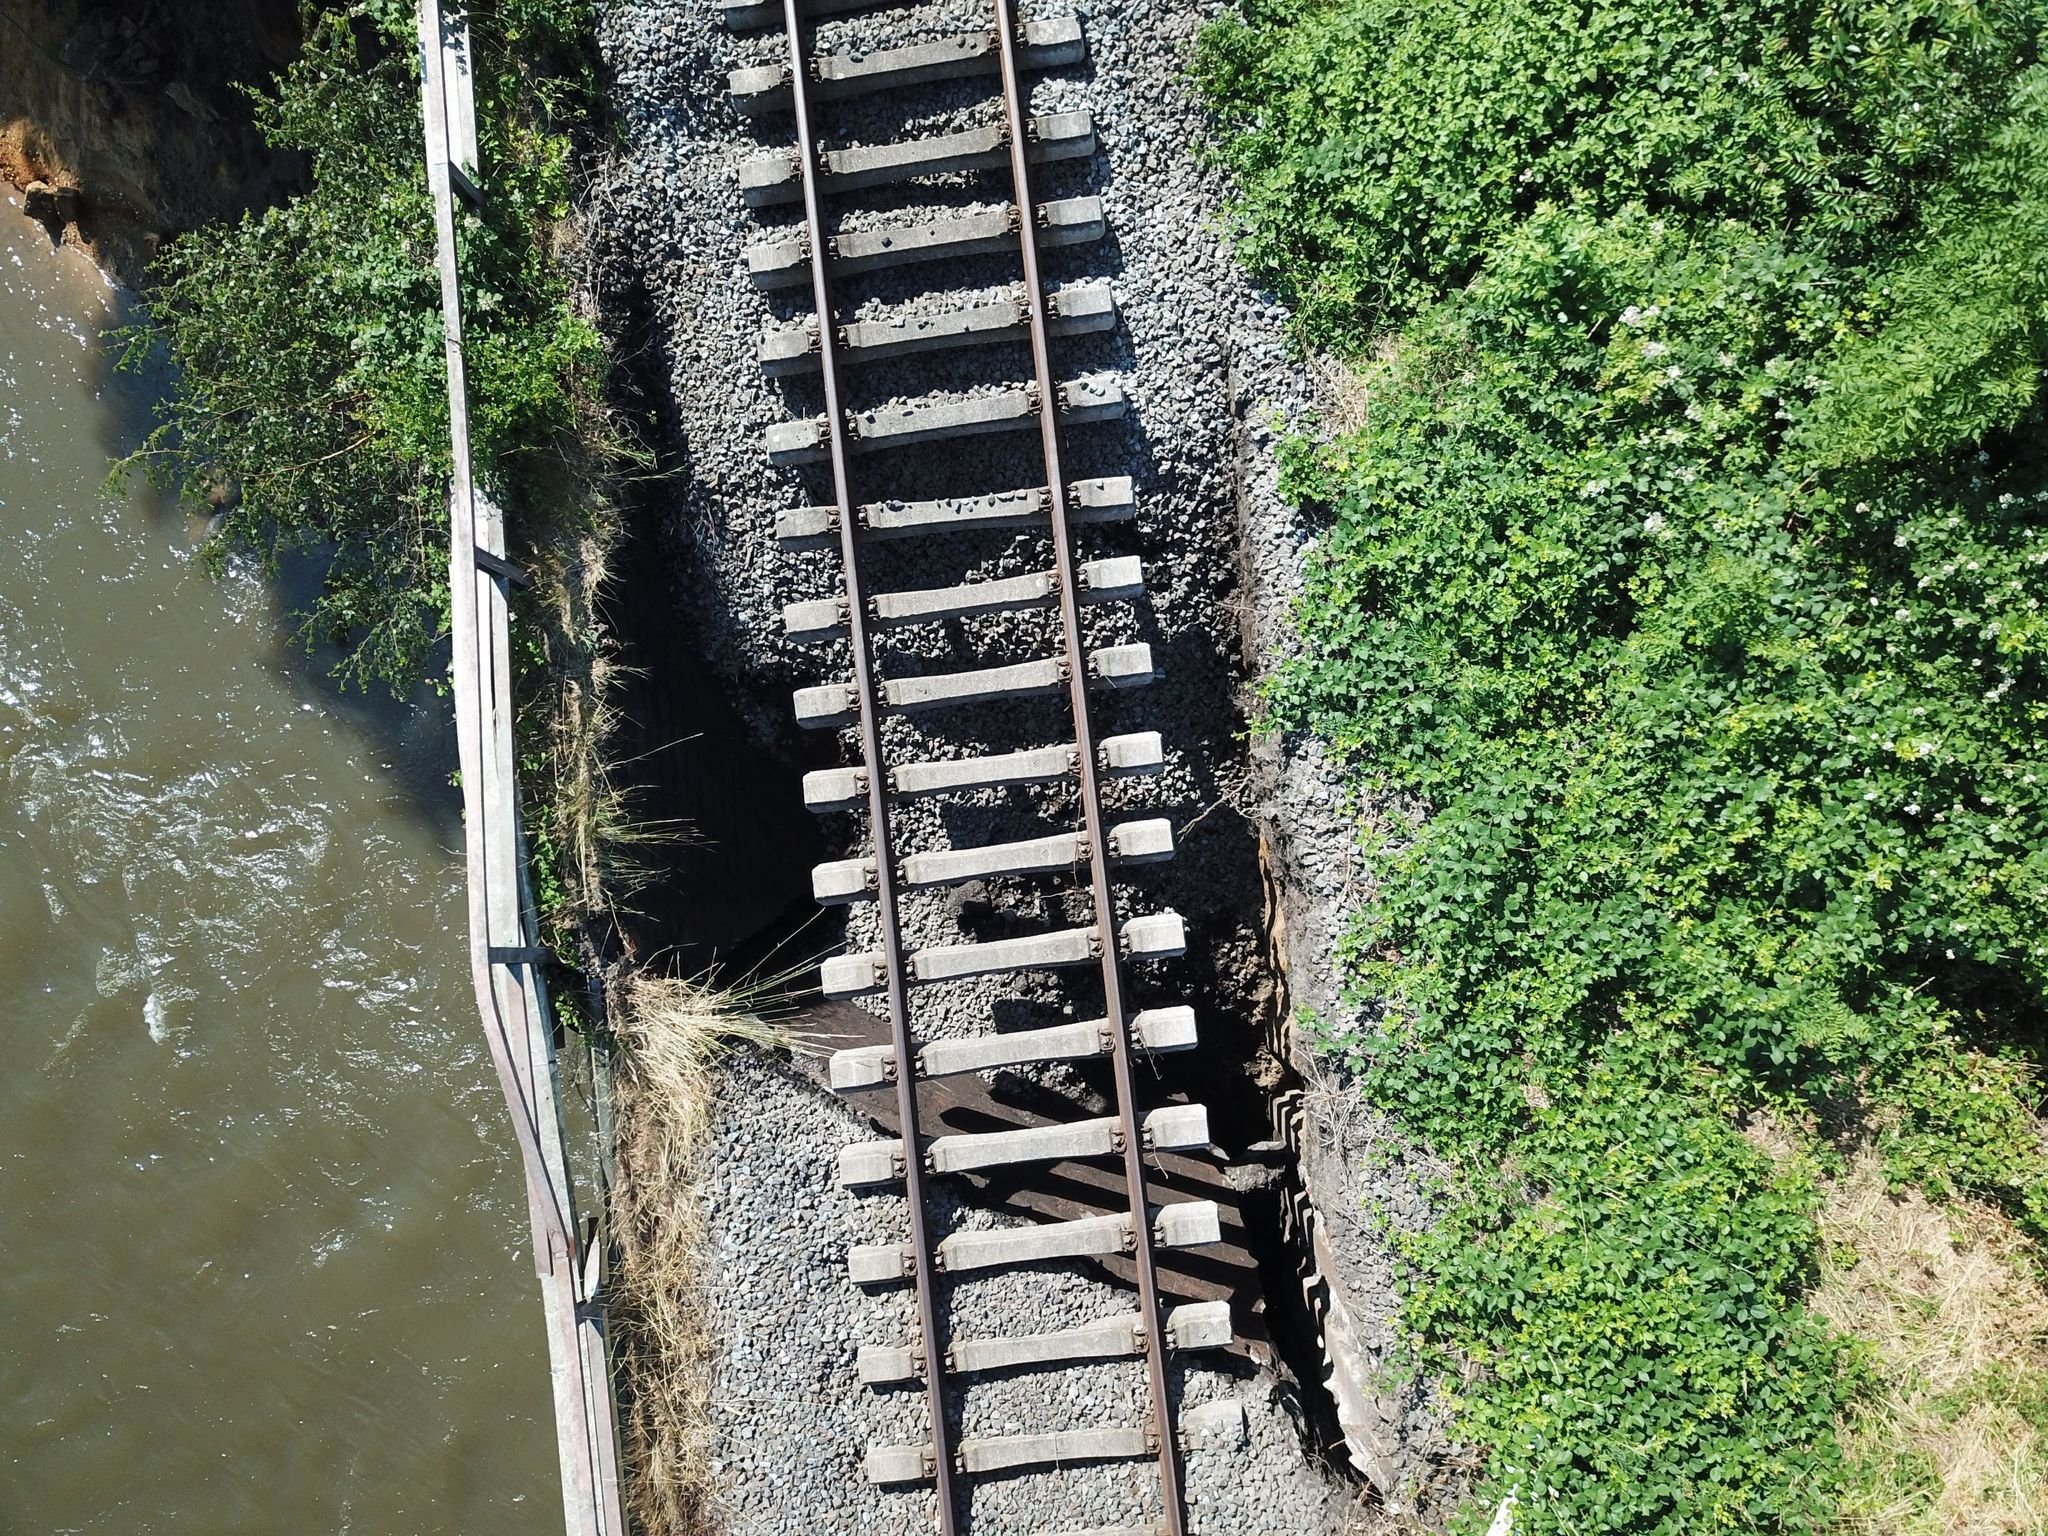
[1686, 569]
[1383, 149]
[312, 406]
[312, 412]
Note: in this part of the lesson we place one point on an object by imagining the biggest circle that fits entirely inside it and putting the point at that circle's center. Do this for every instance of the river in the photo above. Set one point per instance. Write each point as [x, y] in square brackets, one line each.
[265, 1263]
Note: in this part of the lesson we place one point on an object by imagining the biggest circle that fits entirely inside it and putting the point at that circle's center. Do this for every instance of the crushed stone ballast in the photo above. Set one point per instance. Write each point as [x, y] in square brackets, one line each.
[829, 345]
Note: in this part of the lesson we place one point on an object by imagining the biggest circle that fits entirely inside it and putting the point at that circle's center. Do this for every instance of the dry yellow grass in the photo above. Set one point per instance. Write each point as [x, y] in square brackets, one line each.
[1951, 1301]
[670, 1034]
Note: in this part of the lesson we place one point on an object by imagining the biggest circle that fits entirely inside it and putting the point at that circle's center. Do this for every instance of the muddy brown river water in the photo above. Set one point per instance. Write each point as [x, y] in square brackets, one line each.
[261, 1227]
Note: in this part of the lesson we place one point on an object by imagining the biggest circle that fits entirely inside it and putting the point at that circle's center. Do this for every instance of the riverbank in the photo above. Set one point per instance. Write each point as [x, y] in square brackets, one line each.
[124, 124]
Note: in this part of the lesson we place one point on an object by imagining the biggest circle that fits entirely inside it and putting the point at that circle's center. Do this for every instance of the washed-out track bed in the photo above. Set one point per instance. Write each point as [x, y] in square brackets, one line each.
[893, 177]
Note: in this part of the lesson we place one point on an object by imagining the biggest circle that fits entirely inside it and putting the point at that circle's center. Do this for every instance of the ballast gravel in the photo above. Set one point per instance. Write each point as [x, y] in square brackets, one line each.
[792, 1424]
[1211, 383]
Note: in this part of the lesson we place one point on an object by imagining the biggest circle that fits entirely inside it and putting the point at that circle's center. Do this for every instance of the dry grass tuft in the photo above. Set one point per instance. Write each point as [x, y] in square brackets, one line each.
[583, 837]
[1951, 1301]
[670, 1034]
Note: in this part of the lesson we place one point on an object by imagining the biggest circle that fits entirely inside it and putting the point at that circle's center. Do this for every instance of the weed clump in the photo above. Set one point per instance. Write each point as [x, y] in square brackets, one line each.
[311, 409]
[311, 413]
[669, 1035]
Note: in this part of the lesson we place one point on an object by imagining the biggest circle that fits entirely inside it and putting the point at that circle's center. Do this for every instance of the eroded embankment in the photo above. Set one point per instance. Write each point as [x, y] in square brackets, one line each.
[1264, 848]
[128, 119]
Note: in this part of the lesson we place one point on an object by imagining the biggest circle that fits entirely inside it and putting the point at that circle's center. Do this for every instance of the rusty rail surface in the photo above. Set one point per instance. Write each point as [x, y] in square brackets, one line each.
[925, 1276]
[1015, 107]
[504, 955]
[935, 1357]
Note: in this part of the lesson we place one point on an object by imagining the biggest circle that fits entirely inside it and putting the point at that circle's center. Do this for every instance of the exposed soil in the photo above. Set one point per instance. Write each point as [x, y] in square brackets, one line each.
[128, 113]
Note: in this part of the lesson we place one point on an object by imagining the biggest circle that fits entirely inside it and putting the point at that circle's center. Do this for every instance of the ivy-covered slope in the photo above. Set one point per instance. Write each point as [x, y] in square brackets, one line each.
[1688, 569]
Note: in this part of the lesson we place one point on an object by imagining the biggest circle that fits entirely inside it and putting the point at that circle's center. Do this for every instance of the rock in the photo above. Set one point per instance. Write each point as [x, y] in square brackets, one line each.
[52, 206]
[1214, 1426]
[182, 96]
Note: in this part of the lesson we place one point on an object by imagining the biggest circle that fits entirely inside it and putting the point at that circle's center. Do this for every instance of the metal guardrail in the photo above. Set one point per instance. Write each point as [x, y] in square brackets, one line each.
[504, 952]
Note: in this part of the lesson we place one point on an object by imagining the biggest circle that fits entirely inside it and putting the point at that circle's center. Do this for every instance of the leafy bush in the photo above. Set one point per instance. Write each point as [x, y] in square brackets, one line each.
[1686, 569]
[1647, 1364]
[1963, 312]
[312, 403]
[1382, 145]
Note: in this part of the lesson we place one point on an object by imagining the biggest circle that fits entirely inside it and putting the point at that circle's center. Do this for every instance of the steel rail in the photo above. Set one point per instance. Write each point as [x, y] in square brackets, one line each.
[930, 1333]
[1016, 110]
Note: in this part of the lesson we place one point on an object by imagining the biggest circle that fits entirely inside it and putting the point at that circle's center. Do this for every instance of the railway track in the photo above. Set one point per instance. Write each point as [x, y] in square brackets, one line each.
[796, 94]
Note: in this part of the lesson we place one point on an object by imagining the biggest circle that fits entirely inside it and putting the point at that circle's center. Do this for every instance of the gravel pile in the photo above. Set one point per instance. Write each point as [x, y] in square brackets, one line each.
[1205, 366]
[792, 1423]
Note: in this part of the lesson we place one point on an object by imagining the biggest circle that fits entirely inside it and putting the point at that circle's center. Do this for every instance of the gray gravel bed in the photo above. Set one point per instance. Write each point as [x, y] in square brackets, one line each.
[1204, 363]
[791, 1424]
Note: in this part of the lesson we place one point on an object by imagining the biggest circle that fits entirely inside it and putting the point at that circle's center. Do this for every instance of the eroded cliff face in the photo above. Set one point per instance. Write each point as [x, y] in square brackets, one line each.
[122, 122]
